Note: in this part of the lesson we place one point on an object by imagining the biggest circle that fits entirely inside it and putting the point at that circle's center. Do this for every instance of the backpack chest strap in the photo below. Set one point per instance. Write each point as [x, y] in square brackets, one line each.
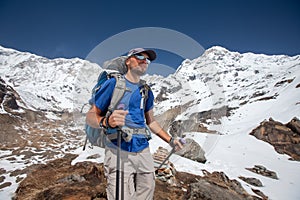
[130, 131]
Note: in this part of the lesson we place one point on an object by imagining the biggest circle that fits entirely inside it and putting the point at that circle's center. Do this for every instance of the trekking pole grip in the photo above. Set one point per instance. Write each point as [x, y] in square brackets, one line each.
[182, 141]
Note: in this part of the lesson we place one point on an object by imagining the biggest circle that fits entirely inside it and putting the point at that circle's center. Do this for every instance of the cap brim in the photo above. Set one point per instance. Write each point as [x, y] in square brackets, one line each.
[151, 54]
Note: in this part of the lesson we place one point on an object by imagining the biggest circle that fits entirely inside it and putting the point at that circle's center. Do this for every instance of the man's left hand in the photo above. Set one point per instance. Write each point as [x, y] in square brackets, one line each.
[177, 143]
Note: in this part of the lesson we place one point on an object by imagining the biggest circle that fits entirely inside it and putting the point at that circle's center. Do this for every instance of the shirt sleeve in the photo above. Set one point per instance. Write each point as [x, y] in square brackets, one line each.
[150, 101]
[104, 94]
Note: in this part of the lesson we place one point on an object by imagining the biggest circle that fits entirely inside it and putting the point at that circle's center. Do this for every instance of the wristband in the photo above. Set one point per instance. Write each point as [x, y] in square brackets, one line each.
[101, 125]
[107, 124]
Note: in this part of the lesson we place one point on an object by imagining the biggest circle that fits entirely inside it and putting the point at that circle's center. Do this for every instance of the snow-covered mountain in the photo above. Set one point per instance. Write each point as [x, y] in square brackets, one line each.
[215, 79]
[226, 92]
[233, 82]
[45, 84]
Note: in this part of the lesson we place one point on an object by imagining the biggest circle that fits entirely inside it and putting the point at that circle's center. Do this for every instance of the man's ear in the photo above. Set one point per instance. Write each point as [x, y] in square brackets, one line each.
[127, 61]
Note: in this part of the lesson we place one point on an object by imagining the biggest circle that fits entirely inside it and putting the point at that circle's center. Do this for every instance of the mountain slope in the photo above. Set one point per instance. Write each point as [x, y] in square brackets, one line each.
[46, 84]
[215, 99]
[221, 78]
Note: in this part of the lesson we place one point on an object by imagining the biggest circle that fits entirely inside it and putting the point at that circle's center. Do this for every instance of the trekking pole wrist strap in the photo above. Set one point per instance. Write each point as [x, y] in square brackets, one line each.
[171, 142]
[107, 122]
[101, 125]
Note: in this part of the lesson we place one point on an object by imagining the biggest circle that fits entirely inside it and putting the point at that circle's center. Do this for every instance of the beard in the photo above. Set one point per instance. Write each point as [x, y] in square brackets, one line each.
[139, 70]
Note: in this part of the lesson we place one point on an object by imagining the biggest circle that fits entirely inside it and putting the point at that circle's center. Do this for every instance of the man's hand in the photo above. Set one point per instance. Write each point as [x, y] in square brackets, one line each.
[117, 118]
[177, 143]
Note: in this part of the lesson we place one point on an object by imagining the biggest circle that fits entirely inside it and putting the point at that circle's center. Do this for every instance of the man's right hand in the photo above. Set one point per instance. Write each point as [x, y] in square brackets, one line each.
[117, 118]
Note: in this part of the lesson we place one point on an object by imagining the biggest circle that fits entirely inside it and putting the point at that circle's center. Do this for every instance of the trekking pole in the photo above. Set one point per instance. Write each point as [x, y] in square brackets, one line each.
[118, 163]
[182, 141]
[85, 142]
[119, 137]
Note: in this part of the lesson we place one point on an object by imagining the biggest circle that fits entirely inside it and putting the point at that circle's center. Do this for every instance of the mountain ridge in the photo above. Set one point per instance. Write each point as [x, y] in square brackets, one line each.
[215, 99]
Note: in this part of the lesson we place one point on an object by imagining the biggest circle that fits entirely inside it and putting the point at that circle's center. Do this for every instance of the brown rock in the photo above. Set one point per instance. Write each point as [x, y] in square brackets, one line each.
[284, 137]
[217, 185]
[61, 180]
[252, 181]
[259, 169]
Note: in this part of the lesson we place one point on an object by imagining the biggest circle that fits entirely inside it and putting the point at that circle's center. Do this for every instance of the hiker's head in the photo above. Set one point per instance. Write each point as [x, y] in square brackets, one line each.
[138, 60]
[151, 54]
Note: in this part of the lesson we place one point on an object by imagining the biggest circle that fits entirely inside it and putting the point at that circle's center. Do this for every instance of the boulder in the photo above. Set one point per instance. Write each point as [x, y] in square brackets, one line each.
[284, 137]
[192, 150]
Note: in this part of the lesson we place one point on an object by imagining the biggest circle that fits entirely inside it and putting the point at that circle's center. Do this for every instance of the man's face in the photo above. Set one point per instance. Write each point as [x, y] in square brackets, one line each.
[137, 65]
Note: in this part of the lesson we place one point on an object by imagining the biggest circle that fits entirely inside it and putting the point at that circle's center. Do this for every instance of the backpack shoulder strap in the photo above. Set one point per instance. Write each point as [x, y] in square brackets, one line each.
[118, 92]
[144, 90]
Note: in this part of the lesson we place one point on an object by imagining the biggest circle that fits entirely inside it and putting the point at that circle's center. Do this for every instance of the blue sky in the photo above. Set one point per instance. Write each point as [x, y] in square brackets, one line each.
[70, 28]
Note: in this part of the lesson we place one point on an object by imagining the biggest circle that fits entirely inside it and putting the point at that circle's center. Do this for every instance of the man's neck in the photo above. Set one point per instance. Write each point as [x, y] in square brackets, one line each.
[132, 77]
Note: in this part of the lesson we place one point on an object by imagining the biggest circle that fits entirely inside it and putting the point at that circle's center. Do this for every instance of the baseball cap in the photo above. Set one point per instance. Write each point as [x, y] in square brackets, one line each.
[150, 53]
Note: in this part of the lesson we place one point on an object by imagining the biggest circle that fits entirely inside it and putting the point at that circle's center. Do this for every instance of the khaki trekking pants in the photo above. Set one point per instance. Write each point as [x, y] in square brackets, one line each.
[137, 178]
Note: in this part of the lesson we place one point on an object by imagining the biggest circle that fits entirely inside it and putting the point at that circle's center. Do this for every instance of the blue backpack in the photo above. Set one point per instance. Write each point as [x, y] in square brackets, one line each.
[116, 68]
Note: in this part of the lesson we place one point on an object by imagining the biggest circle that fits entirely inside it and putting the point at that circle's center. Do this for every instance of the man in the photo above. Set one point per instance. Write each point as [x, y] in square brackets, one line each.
[132, 116]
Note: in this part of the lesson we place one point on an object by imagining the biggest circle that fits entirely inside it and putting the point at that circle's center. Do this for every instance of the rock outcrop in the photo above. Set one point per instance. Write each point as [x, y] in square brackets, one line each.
[258, 169]
[217, 185]
[8, 97]
[85, 180]
[60, 180]
[284, 137]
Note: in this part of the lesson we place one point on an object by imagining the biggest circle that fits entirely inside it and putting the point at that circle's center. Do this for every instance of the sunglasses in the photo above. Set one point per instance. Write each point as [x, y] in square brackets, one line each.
[142, 57]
